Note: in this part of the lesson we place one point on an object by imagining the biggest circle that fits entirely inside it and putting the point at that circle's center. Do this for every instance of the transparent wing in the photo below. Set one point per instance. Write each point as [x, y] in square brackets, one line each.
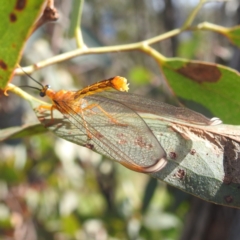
[141, 104]
[111, 129]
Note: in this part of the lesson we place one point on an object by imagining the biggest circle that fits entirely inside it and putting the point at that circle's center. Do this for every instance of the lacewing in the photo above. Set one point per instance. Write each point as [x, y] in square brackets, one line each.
[106, 125]
[108, 122]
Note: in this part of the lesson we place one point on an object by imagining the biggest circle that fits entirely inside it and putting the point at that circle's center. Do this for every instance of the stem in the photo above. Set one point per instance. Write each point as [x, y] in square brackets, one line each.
[11, 87]
[193, 14]
[83, 50]
[78, 31]
[154, 53]
[79, 38]
[96, 50]
[75, 30]
[212, 27]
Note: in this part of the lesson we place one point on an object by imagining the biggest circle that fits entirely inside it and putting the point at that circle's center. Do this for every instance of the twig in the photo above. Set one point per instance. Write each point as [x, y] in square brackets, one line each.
[83, 50]
[50, 14]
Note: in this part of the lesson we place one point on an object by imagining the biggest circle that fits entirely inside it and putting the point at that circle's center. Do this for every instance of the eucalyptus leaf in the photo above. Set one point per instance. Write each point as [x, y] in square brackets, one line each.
[17, 18]
[201, 159]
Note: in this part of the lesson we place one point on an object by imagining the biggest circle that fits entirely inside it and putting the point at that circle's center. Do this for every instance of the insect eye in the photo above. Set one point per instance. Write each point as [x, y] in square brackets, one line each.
[42, 94]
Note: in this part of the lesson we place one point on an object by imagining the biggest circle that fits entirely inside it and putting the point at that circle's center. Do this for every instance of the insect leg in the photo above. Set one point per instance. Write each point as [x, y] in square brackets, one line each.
[48, 107]
[91, 106]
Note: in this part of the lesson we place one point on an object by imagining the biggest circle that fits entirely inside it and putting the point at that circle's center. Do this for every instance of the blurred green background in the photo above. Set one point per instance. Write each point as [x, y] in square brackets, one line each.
[53, 189]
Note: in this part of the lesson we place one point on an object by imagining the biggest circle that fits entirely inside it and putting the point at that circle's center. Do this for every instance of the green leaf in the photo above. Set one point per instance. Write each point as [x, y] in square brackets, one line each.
[214, 86]
[17, 18]
[23, 131]
[139, 75]
[189, 48]
[202, 160]
[233, 34]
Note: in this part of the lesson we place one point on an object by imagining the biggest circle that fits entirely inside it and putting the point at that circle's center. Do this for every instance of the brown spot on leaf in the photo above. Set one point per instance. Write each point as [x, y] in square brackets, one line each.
[193, 152]
[12, 17]
[227, 180]
[180, 174]
[200, 72]
[3, 65]
[20, 5]
[172, 155]
[228, 199]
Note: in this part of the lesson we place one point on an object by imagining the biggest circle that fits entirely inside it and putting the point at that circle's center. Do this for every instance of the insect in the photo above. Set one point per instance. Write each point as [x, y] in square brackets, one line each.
[106, 125]
[109, 122]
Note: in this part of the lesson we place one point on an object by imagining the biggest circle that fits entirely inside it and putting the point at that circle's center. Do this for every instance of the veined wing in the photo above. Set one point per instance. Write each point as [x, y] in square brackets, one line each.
[141, 104]
[115, 131]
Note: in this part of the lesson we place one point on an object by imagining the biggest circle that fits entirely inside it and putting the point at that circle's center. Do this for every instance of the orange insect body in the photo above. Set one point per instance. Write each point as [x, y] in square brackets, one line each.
[118, 83]
[108, 126]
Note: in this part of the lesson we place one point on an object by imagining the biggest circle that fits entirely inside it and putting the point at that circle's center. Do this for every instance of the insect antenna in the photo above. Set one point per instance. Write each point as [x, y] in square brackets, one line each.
[33, 80]
[39, 89]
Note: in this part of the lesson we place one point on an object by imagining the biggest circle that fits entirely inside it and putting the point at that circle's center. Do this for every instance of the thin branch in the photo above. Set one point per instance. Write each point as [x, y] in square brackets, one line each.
[96, 50]
[193, 14]
[78, 31]
[12, 88]
[50, 14]
[79, 38]
[83, 50]
[118, 48]
[75, 24]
